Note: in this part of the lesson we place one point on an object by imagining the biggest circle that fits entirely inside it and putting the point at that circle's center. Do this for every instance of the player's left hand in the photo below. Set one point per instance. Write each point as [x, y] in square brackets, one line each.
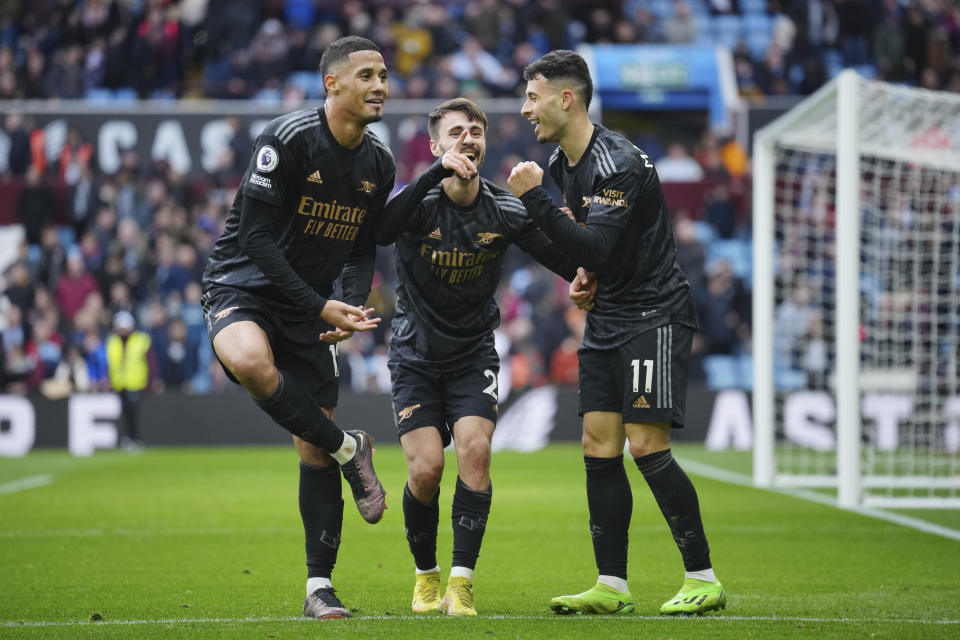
[347, 318]
[583, 289]
[336, 335]
[339, 335]
[525, 176]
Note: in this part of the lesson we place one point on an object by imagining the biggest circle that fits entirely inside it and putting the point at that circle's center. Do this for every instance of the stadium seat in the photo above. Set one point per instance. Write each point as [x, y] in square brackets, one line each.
[308, 81]
[699, 8]
[67, 237]
[786, 379]
[723, 372]
[757, 44]
[98, 94]
[125, 94]
[757, 24]
[753, 7]
[268, 96]
[704, 232]
[745, 364]
[833, 62]
[737, 252]
[726, 27]
[662, 9]
[868, 71]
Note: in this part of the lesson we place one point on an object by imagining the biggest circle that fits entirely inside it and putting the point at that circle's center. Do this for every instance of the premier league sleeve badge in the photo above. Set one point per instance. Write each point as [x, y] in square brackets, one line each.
[267, 159]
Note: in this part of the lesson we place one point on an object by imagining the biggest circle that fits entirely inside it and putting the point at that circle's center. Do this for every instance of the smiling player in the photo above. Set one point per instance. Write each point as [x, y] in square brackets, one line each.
[306, 210]
[452, 229]
[636, 346]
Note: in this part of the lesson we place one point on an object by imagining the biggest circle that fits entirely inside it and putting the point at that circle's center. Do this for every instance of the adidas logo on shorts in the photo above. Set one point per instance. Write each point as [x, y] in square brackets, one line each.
[641, 403]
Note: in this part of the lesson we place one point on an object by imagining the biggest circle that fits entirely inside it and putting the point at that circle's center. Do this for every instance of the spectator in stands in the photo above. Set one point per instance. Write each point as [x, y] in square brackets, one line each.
[33, 76]
[691, 256]
[170, 276]
[680, 28]
[678, 166]
[19, 290]
[178, 362]
[793, 318]
[16, 366]
[130, 361]
[74, 285]
[723, 308]
[43, 350]
[815, 352]
[720, 211]
[473, 62]
[71, 375]
[65, 77]
[17, 128]
[35, 204]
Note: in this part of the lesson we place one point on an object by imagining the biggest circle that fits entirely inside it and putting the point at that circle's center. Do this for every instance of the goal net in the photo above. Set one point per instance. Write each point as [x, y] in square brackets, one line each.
[857, 295]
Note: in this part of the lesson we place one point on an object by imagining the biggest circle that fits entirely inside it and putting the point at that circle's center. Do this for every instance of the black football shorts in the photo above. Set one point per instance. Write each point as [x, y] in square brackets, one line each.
[644, 379]
[296, 344]
[428, 394]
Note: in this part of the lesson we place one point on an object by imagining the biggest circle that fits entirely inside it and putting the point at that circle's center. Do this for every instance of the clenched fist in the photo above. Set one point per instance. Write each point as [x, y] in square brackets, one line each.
[525, 176]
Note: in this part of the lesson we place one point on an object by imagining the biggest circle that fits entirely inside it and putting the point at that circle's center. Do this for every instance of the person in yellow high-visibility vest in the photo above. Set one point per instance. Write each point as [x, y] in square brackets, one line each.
[129, 358]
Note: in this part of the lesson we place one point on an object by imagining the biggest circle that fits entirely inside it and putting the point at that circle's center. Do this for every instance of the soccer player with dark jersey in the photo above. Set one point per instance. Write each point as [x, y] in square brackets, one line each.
[452, 229]
[636, 346]
[306, 211]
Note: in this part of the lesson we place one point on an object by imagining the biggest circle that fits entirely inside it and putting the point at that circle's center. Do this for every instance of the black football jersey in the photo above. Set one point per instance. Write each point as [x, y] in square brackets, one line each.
[449, 262]
[328, 198]
[640, 286]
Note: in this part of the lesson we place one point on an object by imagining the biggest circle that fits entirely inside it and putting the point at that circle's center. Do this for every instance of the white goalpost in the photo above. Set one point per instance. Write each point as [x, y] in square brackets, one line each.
[856, 319]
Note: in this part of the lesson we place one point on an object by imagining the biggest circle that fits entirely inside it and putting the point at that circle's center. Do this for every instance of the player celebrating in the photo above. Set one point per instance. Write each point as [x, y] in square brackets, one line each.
[452, 229]
[305, 211]
[634, 357]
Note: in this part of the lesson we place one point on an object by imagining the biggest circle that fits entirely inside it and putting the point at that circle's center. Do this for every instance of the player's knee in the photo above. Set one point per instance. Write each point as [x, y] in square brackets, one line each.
[644, 446]
[592, 446]
[426, 474]
[475, 451]
[253, 370]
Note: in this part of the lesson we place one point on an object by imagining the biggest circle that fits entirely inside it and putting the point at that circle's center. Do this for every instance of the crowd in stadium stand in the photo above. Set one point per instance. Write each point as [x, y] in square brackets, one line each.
[137, 239]
[124, 49]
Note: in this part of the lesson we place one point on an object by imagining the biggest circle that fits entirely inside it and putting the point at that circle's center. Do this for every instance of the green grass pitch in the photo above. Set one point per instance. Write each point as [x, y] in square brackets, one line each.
[207, 543]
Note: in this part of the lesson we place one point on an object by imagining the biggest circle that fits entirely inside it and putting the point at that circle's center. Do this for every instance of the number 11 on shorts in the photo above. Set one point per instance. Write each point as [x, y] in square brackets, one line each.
[648, 381]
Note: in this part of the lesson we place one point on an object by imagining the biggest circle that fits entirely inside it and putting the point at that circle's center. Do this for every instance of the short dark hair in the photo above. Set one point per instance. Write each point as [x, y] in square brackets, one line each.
[564, 64]
[339, 50]
[473, 112]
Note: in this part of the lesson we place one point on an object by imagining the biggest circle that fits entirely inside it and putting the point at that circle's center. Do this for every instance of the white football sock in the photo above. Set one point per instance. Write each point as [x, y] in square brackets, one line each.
[613, 581]
[317, 583]
[706, 575]
[461, 572]
[345, 453]
[436, 569]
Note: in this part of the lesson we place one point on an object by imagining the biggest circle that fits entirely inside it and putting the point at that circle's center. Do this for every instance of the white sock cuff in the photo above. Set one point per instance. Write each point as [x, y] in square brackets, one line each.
[345, 453]
[613, 581]
[461, 572]
[706, 575]
[317, 583]
[421, 572]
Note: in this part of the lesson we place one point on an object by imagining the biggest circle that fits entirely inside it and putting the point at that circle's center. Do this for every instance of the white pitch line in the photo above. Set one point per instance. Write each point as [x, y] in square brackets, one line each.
[25, 483]
[732, 477]
[700, 620]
